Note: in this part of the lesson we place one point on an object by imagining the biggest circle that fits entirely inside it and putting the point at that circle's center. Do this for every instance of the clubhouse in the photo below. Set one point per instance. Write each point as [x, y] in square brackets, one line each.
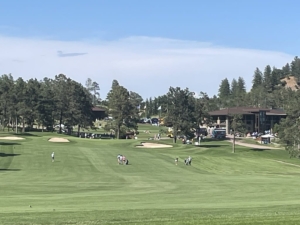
[256, 119]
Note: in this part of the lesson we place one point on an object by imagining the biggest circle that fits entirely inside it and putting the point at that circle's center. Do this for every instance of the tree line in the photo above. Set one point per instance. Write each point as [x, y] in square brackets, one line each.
[44, 102]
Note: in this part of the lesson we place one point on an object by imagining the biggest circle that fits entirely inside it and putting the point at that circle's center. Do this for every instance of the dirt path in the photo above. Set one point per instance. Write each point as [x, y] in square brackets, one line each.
[253, 145]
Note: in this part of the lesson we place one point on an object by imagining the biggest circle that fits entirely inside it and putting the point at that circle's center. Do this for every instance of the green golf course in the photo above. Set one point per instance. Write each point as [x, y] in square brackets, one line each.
[85, 184]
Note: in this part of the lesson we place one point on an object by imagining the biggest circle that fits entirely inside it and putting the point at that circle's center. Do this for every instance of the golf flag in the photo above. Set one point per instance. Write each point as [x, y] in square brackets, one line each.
[159, 108]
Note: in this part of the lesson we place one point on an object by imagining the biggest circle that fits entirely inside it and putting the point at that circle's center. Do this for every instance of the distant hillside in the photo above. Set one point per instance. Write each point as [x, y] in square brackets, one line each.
[290, 82]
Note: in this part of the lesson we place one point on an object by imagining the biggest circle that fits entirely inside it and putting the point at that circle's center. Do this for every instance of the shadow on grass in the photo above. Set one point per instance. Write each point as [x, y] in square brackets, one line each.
[209, 146]
[9, 170]
[260, 149]
[9, 143]
[2, 154]
[26, 134]
[212, 140]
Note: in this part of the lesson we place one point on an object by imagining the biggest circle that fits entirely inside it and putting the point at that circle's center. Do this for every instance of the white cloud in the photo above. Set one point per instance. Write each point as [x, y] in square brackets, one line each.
[146, 65]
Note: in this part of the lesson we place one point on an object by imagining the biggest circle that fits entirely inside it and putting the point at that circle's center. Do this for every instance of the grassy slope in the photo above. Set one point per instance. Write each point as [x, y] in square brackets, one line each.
[86, 186]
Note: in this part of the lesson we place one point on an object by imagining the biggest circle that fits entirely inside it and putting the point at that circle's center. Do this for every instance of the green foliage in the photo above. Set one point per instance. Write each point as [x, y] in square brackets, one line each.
[43, 102]
[203, 106]
[237, 124]
[267, 79]
[241, 86]
[257, 79]
[238, 92]
[289, 128]
[224, 90]
[163, 130]
[181, 110]
[276, 128]
[286, 70]
[93, 89]
[122, 108]
[234, 88]
[295, 67]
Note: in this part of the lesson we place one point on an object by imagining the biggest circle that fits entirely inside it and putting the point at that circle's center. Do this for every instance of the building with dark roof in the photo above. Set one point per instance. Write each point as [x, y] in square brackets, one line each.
[256, 119]
[98, 113]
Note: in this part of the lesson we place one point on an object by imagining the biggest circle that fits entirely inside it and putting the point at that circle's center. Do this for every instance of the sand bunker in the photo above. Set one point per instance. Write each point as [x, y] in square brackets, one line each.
[11, 138]
[153, 145]
[58, 140]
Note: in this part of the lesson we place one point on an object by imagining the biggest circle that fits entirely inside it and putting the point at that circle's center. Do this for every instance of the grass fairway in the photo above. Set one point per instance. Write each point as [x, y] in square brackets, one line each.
[86, 186]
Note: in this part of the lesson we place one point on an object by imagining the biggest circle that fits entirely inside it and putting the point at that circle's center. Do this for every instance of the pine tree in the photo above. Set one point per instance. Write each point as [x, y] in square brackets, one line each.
[275, 77]
[257, 79]
[295, 67]
[234, 88]
[181, 111]
[241, 86]
[122, 109]
[286, 70]
[267, 81]
[224, 89]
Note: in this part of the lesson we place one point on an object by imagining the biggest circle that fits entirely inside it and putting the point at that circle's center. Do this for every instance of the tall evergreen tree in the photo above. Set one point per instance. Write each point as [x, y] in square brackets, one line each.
[121, 109]
[181, 111]
[295, 67]
[93, 88]
[61, 98]
[268, 78]
[6, 93]
[234, 88]
[224, 90]
[135, 98]
[257, 79]
[286, 70]
[241, 85]
[289, 128]
[276, 75]
[47, 104]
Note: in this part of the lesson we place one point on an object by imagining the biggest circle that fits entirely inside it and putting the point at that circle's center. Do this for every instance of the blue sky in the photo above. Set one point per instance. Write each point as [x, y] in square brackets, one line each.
[142, 43]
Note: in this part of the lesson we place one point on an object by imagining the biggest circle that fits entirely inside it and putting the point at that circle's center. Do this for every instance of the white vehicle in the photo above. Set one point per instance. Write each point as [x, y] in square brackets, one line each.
[62, 126]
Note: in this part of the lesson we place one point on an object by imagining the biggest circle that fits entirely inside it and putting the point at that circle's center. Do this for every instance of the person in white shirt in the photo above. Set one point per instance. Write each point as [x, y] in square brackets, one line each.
[119, 157]
[190, 160]
[52, 156]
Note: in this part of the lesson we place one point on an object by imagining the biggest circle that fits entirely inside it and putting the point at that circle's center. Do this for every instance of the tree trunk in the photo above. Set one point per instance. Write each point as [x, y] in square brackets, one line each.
[175, 139]
[52, 123]
[78, 132]
[118, 133]
[233, 143]
[174, 135]
[4, 121]
[16, 124]
[60, 121]
[23, 124]
[9, 123]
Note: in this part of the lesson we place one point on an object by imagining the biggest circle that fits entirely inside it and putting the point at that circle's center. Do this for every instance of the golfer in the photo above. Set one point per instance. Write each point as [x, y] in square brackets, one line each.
[52, 156]
[119, 157]
[176, 161]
